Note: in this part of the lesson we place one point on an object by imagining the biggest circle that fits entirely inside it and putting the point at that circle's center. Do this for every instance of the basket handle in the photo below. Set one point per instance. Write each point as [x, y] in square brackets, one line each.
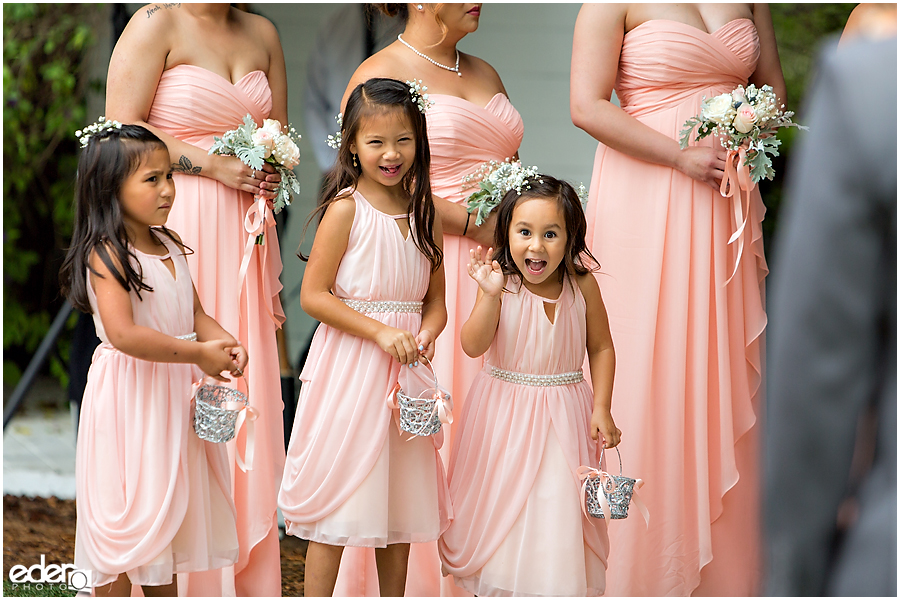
[617, 454]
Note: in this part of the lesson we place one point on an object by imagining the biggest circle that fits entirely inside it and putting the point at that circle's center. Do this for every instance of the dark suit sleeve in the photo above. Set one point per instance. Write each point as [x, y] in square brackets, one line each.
[832, 284]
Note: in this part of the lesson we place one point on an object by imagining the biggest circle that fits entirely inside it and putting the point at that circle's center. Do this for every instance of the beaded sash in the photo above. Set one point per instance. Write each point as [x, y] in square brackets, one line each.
[383, 306]
[536, 380]
[191, 337]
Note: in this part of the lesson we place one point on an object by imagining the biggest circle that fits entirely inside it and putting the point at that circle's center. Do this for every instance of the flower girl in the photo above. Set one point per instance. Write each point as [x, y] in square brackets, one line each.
[375, 280]
[153, 498]
[530, 419]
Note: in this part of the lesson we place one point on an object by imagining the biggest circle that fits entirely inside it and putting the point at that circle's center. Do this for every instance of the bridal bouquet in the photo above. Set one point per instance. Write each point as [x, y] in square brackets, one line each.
[745, 121]
[255, 145]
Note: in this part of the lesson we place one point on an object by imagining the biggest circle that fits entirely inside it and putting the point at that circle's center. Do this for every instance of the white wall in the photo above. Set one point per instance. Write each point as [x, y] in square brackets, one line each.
[529, 45]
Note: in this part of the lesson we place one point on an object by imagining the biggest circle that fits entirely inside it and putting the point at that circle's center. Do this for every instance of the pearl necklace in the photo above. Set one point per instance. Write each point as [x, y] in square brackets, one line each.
[454, 69]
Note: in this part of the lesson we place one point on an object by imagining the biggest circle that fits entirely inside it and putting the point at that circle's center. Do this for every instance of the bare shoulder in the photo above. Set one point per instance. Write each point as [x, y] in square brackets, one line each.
[587, 283]
[386, 63]
[484, 72]
[99, 266]
[258, 26]
[153, 20]
[341, 211]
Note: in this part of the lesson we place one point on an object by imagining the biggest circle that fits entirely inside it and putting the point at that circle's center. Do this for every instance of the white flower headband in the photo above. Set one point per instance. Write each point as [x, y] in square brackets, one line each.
[102, 124]
[417, 94]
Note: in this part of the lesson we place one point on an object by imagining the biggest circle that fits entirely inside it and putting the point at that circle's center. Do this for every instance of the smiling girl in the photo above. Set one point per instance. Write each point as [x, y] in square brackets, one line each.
[376, 282]
[531, 419]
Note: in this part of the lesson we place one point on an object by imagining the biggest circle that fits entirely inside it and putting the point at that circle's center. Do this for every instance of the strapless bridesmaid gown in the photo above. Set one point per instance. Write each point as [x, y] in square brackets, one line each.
[461, 136]
[194, 104]
[689, 347]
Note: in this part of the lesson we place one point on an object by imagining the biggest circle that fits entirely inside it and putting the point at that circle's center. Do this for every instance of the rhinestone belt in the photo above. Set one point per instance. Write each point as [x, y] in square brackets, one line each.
[191, 337]
[383, 306]
[536, 380]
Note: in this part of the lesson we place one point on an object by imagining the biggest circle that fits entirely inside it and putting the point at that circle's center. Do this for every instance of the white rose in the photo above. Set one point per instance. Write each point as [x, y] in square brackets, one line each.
[716, 109]
[286, 152]
[264, 138]
[273, 126]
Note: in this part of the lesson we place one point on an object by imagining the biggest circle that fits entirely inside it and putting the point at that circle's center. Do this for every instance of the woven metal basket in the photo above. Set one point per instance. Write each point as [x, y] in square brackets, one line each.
[216, 409]
[420, 415]
[618, 490]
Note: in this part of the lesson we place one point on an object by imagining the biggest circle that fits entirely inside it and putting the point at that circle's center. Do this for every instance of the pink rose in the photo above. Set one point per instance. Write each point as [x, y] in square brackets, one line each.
[264, 138]
[745, 118]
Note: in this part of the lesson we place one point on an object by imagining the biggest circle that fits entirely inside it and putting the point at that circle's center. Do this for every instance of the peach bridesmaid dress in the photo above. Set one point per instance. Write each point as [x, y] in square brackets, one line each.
[194, 104]
[461, 135]
[688, 388]
[153, 498]
[351, 478]
[518, 528]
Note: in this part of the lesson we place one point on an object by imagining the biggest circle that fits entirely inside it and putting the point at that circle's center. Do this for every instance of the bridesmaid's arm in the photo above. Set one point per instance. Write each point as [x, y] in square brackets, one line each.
[597, 44]
[135, 68]
[768, 69]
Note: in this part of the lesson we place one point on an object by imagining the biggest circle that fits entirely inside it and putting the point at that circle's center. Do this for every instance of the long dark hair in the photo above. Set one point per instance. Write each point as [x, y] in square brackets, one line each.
[374, 96]
[578, 260]
[104, 165]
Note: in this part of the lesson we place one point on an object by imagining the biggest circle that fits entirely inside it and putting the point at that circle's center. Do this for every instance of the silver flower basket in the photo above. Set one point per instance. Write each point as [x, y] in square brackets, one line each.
[422, 415]
[616, 491]
[216, 409]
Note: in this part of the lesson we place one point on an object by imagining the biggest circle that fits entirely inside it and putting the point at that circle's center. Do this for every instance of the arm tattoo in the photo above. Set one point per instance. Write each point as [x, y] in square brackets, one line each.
[184, 165]
[150, 11]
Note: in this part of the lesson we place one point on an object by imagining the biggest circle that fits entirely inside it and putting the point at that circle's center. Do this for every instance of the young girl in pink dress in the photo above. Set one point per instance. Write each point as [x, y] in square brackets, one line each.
[153, 498]
[376, 282]
[531, 419]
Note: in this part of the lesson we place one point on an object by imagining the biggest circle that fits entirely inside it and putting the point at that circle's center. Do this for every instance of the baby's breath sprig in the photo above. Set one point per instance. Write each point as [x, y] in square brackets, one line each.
[494, 180]
[84, 135]
[582, 195]
[417, 91]
[334, 141]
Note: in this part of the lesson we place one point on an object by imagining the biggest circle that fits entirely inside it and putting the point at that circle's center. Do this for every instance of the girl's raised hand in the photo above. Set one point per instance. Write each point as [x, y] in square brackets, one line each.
[215, 358]
[486, 273]
[602, 424]
[239, 359]
[398, 343]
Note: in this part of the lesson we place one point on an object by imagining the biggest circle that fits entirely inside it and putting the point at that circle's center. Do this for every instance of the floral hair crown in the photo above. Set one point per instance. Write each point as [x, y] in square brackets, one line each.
[494, 179]
[417, 94]
[102, 124]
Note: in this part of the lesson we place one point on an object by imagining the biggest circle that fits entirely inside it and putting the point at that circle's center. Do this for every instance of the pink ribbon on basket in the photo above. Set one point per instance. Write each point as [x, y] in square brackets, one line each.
[606, 482]
[609, 484]
[248, 415]
[443, 407]
[735, 183]
[258, 219]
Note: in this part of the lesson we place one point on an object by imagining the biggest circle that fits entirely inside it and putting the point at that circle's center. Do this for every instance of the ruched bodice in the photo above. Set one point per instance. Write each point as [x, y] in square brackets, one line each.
[194, 104]
[528, 342]
[666, 63]
[462, 135]
[380, 264]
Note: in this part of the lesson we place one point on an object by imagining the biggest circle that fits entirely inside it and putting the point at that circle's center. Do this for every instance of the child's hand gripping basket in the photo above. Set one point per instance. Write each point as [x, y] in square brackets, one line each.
[606, 496]
[424, 405]
[219, 413]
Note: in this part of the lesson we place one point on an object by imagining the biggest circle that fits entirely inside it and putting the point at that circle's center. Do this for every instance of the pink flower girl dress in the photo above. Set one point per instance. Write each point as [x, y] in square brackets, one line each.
[518, 527]
[153, 498]
[350, 478]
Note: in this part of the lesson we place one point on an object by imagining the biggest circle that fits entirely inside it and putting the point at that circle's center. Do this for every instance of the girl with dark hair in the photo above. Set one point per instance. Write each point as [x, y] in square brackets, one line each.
[153, 498]
[375, 280]
[520, 531]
